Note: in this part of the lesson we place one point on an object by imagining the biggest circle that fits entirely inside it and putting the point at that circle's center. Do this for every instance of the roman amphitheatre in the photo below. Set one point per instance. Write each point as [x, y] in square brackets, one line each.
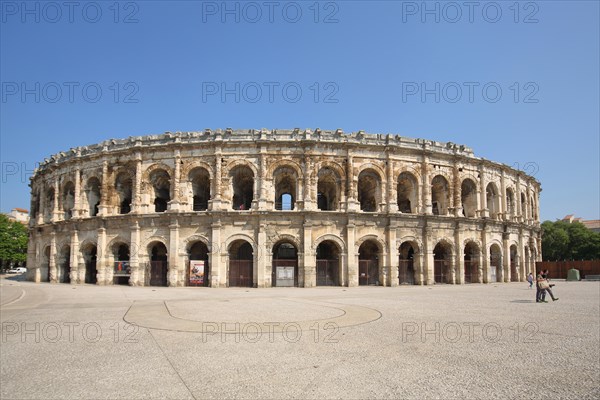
[262, 208]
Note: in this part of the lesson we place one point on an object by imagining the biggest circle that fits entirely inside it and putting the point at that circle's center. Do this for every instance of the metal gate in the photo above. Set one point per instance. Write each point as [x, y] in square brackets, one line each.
[368, 272]
[158, 273]
[327, 272]
[406, 272]
[471, 271]
[285, 273]
[240, 273]
[440, 271]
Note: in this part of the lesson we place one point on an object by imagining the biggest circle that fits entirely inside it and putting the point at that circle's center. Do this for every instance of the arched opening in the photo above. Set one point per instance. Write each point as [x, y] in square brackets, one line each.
[369, 190]
[495, 263]
[242, 179]
[49, 205]
[440, 195]
[200, 181]
[89, 258]
[123, 185]
[328, 189]
[35, 205]
[514, 273]
[442, 254]
[285, 265]
[406, 264]
[122, 268]
[68, 200]
[493, 200]
[368, 263]
[471, 263]
[468, 197]
[328, 262]
[64, 265]
[161, 185]
[198, 268]
[92, 194]
[241, 260]
[524, 205]
[158, 264]
[407, 193]
[510, 203]
[285, 182]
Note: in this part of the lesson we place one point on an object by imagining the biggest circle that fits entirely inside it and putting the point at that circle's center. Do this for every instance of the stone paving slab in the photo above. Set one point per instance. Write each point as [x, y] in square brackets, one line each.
[471, 341]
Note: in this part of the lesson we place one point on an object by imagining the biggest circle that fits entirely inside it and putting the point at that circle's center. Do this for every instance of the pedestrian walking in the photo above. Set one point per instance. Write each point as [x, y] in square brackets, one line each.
[530, 280]
[550, 285]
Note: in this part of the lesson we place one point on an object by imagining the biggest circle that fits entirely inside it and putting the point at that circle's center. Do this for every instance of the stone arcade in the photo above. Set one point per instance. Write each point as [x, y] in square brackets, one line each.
[263, 208]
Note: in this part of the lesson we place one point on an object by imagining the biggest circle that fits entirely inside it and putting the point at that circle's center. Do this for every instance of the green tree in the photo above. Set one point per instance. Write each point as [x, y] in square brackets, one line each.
[569, 241]
[13, 240]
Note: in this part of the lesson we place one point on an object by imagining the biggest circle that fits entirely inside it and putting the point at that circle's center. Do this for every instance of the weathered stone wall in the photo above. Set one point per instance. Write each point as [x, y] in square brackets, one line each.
[379, 190]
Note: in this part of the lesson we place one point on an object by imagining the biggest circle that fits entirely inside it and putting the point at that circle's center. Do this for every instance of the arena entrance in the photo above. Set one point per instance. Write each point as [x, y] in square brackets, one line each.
[285, 265]
[406, 264]
[89, 257]
[441, 263]
[368, 263]
[495, 263]
[198, 269]
[328, 261]
[64, 265]
[122, 269]
[241, 258]
[158, 265]
[471, 262]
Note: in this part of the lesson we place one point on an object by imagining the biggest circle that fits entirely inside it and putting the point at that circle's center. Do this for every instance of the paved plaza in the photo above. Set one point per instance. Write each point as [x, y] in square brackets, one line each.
[439, 342]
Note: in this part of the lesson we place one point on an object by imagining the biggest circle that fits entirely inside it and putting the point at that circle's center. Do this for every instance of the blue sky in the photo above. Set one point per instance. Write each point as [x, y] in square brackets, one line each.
[517, 82]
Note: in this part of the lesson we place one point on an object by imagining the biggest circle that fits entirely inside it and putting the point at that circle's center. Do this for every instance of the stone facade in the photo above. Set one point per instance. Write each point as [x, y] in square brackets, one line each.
[329, 208]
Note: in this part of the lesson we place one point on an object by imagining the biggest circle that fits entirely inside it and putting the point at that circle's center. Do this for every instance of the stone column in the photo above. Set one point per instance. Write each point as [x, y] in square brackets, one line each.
[52, 275]
[104, 276]
[217, 271]
[459, 255]
[262, 278]
[506, 258]
[518, 210]
[309, 258]
[261, 179]
[175, 269]
[74, 273]
[137, 186]
[175, 198]
[137, 277]
[392, 256]
[484, 266]
[426, 187]
[351, 259]
[457, 204]
[352, 202]
[215, 202]
[42, 208]
[503, 203]
[391, 200]
[56, 214]
[428, 264]
[483, 211]
[103, 207]
[77, 206]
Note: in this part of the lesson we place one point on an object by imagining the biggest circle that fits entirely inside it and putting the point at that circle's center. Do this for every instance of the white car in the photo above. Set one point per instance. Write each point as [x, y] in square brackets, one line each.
[18, 270]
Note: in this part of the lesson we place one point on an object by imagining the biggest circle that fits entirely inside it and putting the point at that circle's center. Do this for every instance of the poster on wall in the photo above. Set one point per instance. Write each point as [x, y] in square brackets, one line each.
[197, 272]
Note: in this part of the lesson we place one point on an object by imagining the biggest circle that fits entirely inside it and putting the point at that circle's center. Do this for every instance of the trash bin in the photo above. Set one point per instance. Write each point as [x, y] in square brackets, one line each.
[573, 275]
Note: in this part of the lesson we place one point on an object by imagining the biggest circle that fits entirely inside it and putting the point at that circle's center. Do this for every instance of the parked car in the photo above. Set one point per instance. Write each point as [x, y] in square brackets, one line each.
[18, 270]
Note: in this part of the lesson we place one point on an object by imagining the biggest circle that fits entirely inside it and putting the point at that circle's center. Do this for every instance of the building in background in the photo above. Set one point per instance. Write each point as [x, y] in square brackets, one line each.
[19, 215]
[592, 224]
